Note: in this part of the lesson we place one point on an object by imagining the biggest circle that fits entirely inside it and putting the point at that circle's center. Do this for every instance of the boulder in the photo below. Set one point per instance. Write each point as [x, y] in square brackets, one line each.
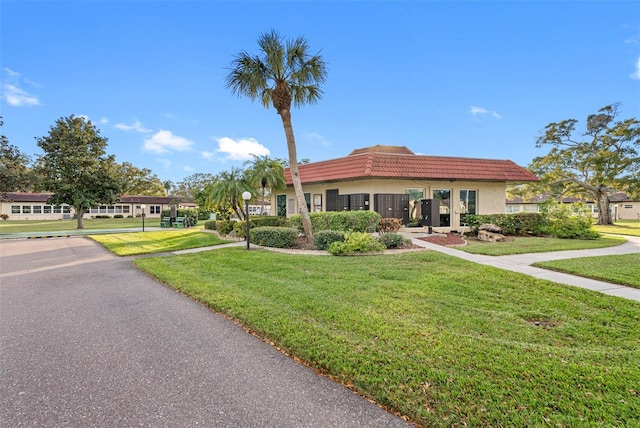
[490, 227]
[486, 236]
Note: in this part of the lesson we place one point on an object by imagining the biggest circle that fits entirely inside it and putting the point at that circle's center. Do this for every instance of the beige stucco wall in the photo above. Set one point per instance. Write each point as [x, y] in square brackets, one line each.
[490, 195]
[626, 210]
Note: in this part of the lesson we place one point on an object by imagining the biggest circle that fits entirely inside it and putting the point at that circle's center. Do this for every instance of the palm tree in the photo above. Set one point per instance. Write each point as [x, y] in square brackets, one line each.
[266, 172]
[283, 72]
[227, 191]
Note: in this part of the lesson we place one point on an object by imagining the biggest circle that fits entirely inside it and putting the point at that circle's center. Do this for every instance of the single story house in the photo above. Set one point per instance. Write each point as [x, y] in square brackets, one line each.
[34, 206]
[436, 191]
[622, 207]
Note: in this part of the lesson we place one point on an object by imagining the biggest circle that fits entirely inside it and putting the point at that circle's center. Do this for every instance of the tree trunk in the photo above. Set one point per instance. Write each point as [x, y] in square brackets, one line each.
[604, 215]
[285, 114]
[80, 214]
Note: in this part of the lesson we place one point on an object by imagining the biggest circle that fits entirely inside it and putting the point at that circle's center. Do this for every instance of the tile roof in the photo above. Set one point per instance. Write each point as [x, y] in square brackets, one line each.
[400, 162]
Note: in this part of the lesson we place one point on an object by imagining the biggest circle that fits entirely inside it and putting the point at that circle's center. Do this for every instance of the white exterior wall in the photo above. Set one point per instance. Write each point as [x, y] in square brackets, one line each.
[44, 211]
[490, 195]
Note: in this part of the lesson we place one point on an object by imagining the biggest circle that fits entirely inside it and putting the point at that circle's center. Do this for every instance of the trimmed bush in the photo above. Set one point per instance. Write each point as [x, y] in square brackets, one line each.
[356, 242]
[346, 221]
[511, 224]
[240, 228]
[210, 225]
[224, 227]
[118, 216]
[276, 237]
[393, 240]
[324, 238]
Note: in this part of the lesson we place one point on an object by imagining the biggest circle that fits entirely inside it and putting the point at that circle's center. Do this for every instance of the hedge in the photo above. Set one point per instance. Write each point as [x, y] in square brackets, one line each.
[511, 224]
[276, 237]
[345, 221]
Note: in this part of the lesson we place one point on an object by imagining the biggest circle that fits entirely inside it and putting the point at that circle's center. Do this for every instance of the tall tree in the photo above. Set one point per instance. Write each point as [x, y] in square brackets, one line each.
[266, 173]
[227, 191]
[600, 160]
[194, 187]
[140, 181]
[76, 167]
[283, 73]
[14, 167]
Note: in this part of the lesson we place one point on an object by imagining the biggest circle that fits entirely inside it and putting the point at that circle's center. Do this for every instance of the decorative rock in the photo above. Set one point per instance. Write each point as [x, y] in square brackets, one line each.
[486, 236]
[489, 227]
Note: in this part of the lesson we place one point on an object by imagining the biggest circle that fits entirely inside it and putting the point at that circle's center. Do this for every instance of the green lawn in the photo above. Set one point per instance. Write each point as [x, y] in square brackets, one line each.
[621, 227]
[523, 245]
[438, 339]
[127, 244]
[16, 226]
[619, 269]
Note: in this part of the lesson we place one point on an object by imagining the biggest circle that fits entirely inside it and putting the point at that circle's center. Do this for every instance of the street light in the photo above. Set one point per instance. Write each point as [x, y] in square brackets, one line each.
[246, 196]
[143, 206]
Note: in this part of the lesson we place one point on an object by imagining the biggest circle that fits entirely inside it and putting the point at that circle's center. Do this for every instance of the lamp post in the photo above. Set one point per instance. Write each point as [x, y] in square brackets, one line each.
[143, 206]
[246, 196]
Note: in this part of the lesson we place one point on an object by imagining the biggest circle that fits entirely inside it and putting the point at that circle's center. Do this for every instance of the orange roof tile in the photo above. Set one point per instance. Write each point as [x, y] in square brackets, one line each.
[384, 162]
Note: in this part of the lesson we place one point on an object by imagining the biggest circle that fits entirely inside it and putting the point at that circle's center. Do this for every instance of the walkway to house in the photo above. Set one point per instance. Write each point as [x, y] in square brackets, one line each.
[522, 263]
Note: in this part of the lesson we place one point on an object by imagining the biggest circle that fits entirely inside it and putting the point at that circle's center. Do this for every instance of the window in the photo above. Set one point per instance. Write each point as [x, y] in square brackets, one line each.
[281, 201]
[629, 206]
[415, 195]
[532, 208]
[26, 209]
[512, 209]
[307, 199]
[291, 206]
[468, 202]
[317, 203]
[66, 209]
[47, 209]
[57, 209]
[125, 209]
[443, 197]
[154, 209]
[15, 209]
[37, 209]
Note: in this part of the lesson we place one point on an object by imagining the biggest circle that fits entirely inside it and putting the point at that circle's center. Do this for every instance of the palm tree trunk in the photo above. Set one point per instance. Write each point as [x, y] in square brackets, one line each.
[285, 114]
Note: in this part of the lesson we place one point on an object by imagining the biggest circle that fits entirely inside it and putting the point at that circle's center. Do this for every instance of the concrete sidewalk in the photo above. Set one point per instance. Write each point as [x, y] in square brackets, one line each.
[522, 263]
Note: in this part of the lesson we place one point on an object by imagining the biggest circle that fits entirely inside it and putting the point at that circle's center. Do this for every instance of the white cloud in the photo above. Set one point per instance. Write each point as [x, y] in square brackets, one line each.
[164, 141]
[12, 90]
[481, 110]
[135, 126]
[241, 150]
[636, 74]
[187, 168]
[319, 139]
[104, 121]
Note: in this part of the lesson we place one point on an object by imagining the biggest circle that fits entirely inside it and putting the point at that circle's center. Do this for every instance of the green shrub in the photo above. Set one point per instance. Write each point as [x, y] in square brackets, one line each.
[356, 242]
[324, 238]
[224, 227]
[511, 224]
[393, 240]
[210, 225]
[118, 216]
[389, 225]
[276, 237]
[240, 228]
[567, 221]
[346, 221]
[104, 216]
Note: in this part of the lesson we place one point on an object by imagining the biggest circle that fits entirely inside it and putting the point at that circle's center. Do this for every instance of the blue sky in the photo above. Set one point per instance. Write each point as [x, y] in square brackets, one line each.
[467, 79]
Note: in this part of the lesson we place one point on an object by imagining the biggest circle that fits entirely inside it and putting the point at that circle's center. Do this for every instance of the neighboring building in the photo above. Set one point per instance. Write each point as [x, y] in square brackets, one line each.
[34, 206]
[621, 206]
[393, 181]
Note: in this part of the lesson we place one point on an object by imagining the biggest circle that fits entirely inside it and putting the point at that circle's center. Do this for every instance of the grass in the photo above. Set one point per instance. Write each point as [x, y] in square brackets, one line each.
[523, 245]
[619, 269]
[438, 339]
[127, 244]
[621, 227]
[17, 226]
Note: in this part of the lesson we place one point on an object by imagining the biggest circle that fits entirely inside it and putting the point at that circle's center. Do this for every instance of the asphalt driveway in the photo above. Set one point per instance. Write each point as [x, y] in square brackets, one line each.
[86, 340]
